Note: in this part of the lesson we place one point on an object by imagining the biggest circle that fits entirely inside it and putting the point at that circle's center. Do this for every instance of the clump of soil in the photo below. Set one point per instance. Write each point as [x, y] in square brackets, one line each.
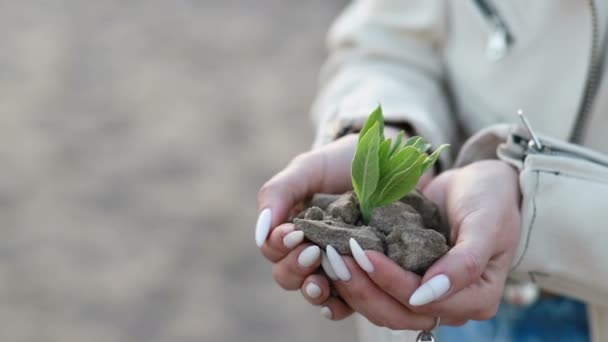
[408, 231]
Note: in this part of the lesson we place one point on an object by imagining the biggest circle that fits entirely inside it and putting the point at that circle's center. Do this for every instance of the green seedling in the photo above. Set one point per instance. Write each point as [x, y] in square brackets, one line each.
[384, 171]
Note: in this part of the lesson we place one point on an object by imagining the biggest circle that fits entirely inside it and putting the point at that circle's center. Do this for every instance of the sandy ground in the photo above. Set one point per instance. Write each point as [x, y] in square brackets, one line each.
[134, 136]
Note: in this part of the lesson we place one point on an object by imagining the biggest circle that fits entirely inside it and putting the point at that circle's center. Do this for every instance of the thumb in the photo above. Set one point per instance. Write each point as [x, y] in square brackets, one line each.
[326, 169]
[457, 269]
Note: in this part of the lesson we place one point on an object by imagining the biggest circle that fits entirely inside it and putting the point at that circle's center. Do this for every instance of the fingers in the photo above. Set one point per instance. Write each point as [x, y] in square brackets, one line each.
[475, 228]
[291, 271]
[361, 294]
[324, 170]
[460, 267]
[386, 274]
[335, 309]
[282, 239]
[316, 289]
[478, 301]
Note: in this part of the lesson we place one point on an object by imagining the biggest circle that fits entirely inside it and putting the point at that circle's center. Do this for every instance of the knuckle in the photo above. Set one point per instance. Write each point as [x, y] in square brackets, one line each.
[358, 292]
[270, 254]
[388, 285]
[472, 265]
[302, 159]
[282, 278]
[265, 190]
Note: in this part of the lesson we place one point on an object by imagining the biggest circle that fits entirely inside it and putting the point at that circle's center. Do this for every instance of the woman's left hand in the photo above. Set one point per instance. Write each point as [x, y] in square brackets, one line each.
[481, 203]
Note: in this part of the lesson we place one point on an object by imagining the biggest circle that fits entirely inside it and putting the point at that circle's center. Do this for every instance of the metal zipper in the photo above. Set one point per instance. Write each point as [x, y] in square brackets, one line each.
[533, 145]
[500, 39]
[591, 86]
[530, 148]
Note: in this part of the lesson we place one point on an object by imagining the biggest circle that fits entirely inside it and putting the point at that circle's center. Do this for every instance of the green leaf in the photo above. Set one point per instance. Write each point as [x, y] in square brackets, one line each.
[397, 143]
[418, 143]
[400, 184]
[383, 171]
[365, 169]
[430, 160]
[413, 140]
[383, 153]
[422, 145]
[398, 162]
[375, 117]
[401, 160]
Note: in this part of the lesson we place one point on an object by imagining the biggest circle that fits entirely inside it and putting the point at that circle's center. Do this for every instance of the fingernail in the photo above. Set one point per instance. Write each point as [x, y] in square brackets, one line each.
[327, 267]
[293, 239]
[309, 256]
[337, 263]
[431, 290]
[360, 256]
[262, 227]
[313, 290]
[326, 312]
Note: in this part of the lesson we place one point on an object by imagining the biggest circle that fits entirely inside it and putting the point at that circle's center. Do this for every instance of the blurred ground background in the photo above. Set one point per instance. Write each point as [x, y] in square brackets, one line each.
[134, 136]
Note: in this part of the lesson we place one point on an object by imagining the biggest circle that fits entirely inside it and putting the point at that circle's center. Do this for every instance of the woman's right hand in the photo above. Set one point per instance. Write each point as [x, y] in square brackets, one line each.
[325, 170]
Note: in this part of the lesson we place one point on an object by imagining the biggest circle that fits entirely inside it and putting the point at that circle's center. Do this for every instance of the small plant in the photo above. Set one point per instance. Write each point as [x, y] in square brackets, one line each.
[384, 171]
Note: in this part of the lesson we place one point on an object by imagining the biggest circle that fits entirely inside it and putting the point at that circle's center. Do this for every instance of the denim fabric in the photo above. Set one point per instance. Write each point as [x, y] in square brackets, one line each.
[549, 319]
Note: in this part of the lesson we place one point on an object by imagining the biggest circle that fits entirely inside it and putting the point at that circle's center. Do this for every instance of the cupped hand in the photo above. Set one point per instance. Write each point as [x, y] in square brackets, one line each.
[324, 170]
[295, 264]
[481, 203]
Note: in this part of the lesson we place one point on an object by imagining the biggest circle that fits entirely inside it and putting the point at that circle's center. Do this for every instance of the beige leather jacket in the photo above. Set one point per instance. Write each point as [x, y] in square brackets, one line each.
[449, 68]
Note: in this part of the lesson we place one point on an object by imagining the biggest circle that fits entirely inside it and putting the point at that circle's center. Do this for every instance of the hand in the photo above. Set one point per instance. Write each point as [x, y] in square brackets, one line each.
[481, 203]
[327, 170]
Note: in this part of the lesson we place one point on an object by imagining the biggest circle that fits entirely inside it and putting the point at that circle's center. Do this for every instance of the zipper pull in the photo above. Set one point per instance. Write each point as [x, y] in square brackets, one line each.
[534, 143]
[498, 42]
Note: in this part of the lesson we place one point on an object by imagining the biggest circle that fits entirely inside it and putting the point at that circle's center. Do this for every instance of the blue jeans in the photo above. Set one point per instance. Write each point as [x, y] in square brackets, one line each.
[549, 319]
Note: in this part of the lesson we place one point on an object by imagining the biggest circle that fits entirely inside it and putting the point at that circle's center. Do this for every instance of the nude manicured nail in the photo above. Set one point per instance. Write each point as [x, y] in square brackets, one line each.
[326, 312]
[309, 256]
[337, 263]
[327, 267]
[360, 256]
[313, 290]
[431, 290]
[293, 239]
[262, 227]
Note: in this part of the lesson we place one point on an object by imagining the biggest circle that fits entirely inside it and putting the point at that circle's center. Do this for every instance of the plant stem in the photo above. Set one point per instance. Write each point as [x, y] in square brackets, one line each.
[366, 214]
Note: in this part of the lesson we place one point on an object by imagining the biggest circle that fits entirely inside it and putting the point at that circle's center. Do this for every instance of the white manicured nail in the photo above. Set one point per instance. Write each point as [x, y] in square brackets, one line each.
[327, 267]
[326, 312]
[309, 256]
[313, 290]
[360, 256]
[431, 290]
[293, 239]
[262, 227]
[337, 263]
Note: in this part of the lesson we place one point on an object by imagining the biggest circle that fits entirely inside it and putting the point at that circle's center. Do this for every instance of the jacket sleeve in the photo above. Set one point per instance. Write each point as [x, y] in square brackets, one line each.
[386, 52]
[562, 247]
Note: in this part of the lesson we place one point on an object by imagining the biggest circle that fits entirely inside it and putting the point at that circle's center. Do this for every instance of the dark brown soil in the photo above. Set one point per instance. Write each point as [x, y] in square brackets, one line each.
[409, 231]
